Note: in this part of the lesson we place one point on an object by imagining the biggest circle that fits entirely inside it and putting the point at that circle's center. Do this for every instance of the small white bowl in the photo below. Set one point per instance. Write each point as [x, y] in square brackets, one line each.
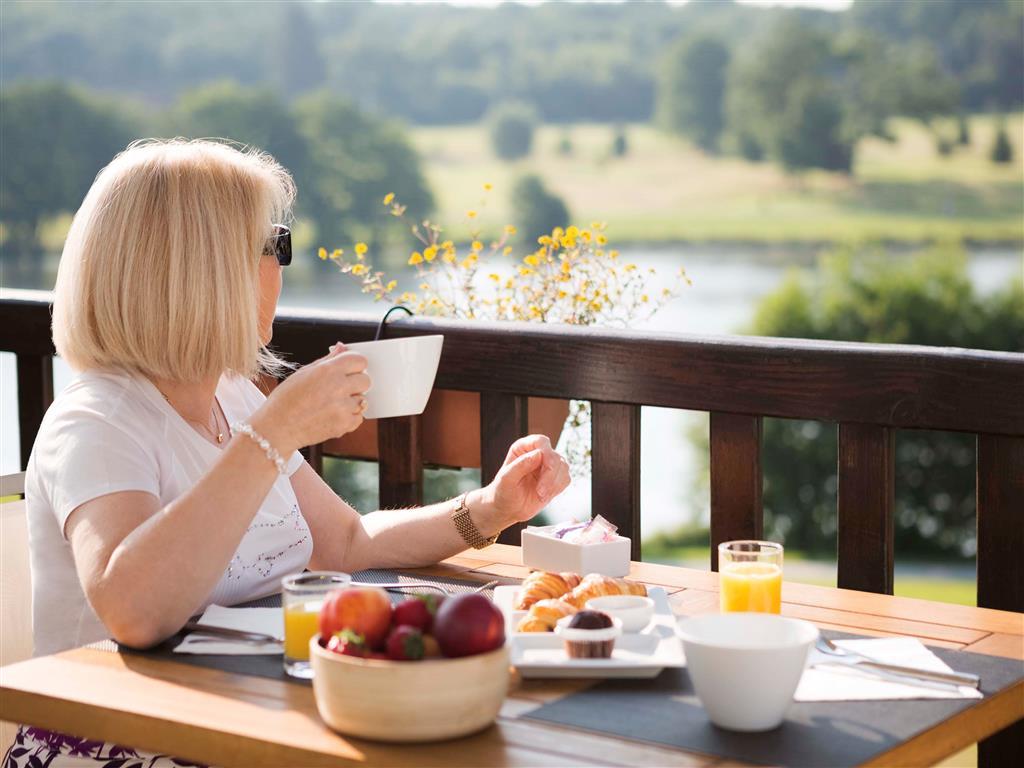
[634, 611]
[745, 667]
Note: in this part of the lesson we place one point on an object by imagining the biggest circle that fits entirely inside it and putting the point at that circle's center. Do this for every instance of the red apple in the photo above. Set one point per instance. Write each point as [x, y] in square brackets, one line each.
[365, 610]
[468, 624]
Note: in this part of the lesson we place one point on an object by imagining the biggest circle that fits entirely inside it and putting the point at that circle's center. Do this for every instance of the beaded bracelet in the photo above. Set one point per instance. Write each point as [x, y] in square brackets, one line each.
[246, 429]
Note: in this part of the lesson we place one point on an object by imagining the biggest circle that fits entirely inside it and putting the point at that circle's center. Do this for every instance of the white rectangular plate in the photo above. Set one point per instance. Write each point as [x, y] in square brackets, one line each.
[638, 655]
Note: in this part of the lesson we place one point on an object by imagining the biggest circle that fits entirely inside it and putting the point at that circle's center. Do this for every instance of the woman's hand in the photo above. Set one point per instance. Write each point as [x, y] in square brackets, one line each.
[322, 400]
[532, 475]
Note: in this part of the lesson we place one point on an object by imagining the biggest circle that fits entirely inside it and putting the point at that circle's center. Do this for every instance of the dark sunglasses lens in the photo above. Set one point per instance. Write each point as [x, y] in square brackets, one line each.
[282, 245]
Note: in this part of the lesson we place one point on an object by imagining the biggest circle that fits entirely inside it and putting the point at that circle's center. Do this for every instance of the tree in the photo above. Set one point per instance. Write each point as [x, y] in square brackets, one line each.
[299, 65]
[53, 140]
[963, 130]
[620, 145]
[512, 130]
[691, 90]
[810, 129]
[537, 211]
[357, 160]
[860, 296]
[1002, 150]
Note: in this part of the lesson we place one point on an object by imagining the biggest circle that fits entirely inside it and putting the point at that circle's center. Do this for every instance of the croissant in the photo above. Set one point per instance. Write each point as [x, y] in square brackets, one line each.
[544, 614]
[596, 585]
[541, 585]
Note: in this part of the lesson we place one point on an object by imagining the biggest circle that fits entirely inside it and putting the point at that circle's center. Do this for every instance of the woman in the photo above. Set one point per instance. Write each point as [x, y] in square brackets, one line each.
[162, 480]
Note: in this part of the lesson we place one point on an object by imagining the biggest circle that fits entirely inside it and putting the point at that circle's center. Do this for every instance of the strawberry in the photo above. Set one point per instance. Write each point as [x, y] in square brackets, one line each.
[417, 612]
[405, 643]
[348, 643]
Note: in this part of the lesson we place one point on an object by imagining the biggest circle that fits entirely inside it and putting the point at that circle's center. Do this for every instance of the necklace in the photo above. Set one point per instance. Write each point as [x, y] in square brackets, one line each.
[214, 433]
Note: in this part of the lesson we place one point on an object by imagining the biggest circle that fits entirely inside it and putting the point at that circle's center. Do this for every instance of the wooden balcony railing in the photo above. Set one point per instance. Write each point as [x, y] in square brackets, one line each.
[869, 390]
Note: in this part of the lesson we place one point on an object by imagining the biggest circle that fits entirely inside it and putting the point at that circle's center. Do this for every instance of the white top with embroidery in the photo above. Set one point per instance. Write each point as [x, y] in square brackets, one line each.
[112, 431]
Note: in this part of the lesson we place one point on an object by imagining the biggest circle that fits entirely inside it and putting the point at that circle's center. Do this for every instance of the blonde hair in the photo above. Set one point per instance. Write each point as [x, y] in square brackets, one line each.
[160, 270]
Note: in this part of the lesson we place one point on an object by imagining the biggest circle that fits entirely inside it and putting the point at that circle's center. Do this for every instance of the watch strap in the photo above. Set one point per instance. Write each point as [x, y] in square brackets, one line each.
[467, 528]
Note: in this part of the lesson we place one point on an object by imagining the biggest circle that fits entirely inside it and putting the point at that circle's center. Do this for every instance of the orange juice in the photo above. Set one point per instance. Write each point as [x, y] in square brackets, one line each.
[750, 586]
[301, 622]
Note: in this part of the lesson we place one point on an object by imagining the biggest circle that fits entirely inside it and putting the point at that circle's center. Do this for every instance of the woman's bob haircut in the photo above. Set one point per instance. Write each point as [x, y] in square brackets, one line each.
[160, 270]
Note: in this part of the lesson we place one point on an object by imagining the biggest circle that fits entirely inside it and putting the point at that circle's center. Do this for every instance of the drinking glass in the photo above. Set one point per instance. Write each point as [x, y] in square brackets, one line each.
[750, 576]
[302, 595]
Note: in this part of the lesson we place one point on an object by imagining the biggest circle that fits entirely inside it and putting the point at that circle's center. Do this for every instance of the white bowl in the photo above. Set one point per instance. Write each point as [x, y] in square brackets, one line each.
[396, 701]
[634, 611]
[745, 667]
[402, 371]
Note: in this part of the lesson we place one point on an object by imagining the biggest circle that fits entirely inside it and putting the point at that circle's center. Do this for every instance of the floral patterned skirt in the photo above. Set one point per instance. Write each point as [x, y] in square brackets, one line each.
[39, 748]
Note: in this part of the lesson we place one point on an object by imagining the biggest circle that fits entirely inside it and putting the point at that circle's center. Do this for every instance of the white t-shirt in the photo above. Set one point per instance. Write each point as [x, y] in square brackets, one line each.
[112, 431]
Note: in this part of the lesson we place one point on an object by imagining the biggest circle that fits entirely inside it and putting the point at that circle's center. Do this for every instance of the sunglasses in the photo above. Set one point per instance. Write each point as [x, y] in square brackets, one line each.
[280, 245]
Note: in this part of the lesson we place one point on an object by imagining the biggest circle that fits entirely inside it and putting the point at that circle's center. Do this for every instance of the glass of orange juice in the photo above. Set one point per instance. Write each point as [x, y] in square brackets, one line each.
[302, 595]
[750, 576]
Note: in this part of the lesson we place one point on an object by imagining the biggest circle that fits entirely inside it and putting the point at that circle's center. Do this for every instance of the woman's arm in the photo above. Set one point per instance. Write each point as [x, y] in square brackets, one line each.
[144, 569]
[531, 476]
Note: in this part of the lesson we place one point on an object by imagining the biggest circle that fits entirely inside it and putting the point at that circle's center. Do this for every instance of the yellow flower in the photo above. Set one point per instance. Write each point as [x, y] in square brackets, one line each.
[544, 240]
[510, 282]
[507, 250]
[613, 254]
[470, 214]
[524, 271]
[392, 284]
[557, 232]
[408, 297]
[601, 240]
[566, 266]
[568, 242]
[448, 245]
[424, 286]
[596, 306]
[532, 260]
[562, 294]
[509, 229]
[630, 267]
[448, 257]
[388, 198]
[599, 253]
[488, 187]
[336, 254]
[361, 249]
[644, 299]
[359, 269]
[322, 253]
[534, 310]
[430, 253]
[585, 235]
[477, 245]
[467, 262]
[495, 277]
[572, 231]
[416, 258]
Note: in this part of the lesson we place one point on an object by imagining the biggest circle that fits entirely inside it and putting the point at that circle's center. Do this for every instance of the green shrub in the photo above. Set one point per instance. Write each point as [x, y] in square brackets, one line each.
[512, 127]
[537, 211]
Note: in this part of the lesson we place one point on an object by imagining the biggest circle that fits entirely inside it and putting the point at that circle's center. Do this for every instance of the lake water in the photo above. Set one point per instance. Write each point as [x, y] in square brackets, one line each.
[728, 282]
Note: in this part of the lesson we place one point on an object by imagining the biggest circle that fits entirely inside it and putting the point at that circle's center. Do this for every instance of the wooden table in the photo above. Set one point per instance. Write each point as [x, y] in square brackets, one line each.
[230, 719]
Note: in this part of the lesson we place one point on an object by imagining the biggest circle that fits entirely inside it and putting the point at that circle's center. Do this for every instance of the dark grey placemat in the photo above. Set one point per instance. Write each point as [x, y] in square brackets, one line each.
[666, 711]
[270, 665]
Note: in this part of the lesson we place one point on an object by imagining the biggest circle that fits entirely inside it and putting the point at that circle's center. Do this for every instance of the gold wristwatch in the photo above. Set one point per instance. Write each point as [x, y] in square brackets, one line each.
[467, 529]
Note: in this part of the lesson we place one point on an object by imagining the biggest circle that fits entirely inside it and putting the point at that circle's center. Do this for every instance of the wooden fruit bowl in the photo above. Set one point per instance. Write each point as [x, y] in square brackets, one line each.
[402, 701]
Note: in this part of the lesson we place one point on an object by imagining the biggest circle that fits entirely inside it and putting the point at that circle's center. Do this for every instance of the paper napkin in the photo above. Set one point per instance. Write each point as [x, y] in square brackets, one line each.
[825, 680]
[268, 621]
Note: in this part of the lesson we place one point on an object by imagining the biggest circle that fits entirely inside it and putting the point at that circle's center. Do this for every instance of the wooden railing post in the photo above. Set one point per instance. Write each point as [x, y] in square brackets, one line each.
[1000, 521]
[736, 480]
[35, 394]
[867, 493]
[401, 462]
[615, 467]
[503, 420]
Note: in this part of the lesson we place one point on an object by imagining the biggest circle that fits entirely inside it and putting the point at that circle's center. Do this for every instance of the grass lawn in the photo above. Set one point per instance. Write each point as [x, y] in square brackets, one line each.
[666, 190]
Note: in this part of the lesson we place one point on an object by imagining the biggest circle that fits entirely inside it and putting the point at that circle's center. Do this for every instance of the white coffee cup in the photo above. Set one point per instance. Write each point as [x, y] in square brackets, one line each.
[745, 667]
[402, 371]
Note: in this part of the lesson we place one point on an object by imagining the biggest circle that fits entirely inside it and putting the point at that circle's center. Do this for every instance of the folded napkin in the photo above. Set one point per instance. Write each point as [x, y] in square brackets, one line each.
[269, 621]
[828, 680]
